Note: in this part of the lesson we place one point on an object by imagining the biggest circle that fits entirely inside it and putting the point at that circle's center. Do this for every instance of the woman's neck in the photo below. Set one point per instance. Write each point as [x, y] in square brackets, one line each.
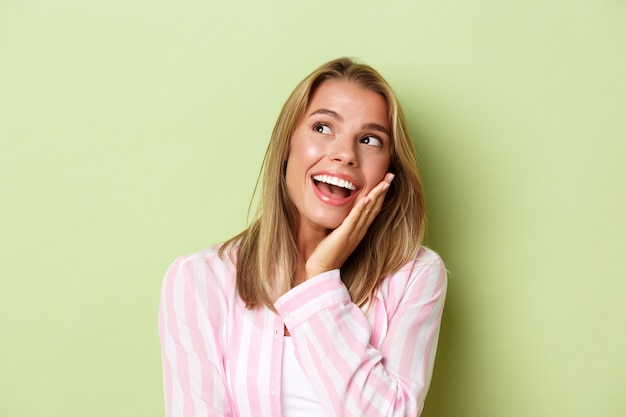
[307, 239]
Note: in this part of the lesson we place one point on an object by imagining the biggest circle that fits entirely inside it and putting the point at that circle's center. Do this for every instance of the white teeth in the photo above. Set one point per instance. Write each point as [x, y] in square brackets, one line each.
[328, 179]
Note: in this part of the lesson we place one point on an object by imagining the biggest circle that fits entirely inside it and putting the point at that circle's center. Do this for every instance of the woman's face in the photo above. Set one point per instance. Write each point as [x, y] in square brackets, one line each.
[338, 152]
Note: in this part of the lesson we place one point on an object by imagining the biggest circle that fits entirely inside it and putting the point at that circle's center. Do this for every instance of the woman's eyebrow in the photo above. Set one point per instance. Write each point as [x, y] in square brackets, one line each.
[376, 126]
[328, 112]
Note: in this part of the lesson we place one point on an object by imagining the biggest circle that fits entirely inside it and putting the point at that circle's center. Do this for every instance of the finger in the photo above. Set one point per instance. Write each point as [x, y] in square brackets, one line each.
[360, 218]
[376, 197]
[382, 187]
[366, 209]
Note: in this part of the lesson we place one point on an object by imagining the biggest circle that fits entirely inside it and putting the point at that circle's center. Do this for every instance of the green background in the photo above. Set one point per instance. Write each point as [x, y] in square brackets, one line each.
[132, 132]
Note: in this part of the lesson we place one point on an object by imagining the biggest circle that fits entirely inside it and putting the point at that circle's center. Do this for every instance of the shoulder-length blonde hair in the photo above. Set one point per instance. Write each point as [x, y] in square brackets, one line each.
[266, 253]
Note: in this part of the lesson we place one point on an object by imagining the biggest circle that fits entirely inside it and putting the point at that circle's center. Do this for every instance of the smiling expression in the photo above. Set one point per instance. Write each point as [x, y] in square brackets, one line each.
[338, 152]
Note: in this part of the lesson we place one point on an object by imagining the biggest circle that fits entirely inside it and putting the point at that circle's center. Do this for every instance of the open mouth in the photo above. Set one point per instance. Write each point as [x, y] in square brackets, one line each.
[333, 187]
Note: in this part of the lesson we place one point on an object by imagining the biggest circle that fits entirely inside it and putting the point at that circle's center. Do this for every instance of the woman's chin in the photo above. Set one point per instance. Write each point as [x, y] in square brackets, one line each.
[332, 223]
[326, 222]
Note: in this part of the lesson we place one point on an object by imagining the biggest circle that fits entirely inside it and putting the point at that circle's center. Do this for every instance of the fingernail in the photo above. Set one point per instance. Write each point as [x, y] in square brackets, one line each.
[390, 177]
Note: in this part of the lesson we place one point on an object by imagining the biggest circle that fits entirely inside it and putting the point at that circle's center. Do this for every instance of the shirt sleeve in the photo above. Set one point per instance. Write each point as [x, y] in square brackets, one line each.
[332, 339]
[189, 332]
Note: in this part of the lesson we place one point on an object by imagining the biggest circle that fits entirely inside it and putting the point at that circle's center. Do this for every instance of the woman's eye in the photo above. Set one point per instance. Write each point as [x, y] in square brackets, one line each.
[322, 128]
[372, 141]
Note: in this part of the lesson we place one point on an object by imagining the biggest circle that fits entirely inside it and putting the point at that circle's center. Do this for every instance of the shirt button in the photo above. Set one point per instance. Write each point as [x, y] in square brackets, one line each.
[276, 332]
[273, 388]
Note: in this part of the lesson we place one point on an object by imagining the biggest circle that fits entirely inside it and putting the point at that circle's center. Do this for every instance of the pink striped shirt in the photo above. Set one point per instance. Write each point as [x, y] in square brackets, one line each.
[221, 359]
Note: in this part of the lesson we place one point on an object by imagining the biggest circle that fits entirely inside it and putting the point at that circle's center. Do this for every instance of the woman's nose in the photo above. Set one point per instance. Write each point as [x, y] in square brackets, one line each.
[343, 152]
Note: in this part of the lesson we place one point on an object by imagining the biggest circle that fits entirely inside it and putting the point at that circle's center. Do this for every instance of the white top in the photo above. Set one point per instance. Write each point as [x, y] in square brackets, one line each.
[299, 399]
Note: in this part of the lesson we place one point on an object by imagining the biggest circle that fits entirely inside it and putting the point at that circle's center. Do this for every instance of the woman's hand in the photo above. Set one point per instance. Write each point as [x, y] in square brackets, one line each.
[335, 248]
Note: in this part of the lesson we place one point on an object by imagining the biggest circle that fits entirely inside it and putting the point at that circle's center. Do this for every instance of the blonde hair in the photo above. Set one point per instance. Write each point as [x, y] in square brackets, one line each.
[266, 253]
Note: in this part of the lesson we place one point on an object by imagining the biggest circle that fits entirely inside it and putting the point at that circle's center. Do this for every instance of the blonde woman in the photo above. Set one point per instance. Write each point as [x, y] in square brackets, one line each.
[328, 304]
